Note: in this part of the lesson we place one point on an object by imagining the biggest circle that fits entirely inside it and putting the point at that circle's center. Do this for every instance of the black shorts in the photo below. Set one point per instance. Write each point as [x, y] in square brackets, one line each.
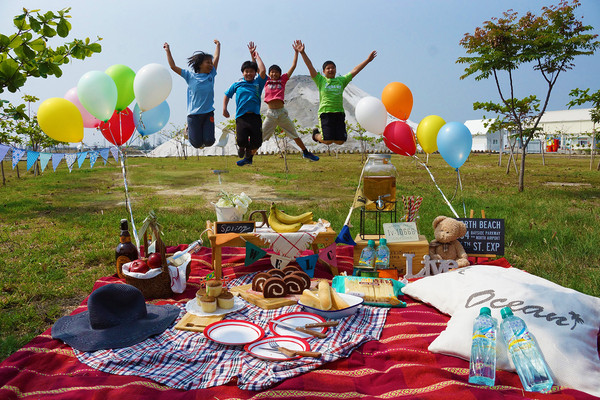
[333, 126]
[248, 131]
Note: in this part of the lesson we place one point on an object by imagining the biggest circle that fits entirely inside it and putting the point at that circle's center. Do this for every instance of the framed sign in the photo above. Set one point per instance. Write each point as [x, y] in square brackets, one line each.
[401, 232]
[235, 227]
[484, 236]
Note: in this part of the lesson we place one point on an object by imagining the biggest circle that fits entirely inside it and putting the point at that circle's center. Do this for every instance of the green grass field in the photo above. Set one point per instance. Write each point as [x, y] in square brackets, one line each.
[58, 231]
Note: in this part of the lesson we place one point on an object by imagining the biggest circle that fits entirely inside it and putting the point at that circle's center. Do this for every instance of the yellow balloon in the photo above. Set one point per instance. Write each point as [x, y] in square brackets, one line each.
[427, 132]
[61, 120]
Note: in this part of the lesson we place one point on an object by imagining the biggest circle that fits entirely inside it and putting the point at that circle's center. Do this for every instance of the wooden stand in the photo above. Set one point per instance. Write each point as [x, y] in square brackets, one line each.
[397, 260]
[323, 238]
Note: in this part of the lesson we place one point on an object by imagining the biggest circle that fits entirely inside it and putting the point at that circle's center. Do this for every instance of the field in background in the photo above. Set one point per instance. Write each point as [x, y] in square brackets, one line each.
[58, 230]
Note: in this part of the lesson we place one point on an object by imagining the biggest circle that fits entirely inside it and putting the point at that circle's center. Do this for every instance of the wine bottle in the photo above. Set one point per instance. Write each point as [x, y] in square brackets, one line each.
[125, 251]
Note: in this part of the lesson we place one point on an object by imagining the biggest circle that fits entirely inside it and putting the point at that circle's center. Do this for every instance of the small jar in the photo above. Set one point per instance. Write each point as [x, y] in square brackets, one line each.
[379, 182]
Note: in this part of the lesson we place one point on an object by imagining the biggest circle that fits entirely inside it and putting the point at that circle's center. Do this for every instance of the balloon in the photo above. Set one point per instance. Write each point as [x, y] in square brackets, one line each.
[427, 132]
[89, 121]
[98, 94]
[454, 143]
[398, 100]
[123, 77]
[152, 85]
[153, 120]
[371, 114]
[399, 138]
[119, 128]
[61, 120]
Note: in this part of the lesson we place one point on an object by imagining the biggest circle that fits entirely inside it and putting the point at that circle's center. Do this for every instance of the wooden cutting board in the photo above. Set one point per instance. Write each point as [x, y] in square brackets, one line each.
[195, 323]
[258, 299]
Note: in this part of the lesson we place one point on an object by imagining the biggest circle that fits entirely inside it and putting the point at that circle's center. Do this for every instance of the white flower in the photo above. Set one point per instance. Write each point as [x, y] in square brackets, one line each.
[241, 201]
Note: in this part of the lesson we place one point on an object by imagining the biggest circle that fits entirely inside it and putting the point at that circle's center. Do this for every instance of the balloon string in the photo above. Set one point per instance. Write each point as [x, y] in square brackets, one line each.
[461, 193]
[436, 185]
[355, 193]
[128, 200]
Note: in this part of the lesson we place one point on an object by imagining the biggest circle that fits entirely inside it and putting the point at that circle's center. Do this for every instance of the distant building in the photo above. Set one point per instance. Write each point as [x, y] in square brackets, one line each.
[483, 139]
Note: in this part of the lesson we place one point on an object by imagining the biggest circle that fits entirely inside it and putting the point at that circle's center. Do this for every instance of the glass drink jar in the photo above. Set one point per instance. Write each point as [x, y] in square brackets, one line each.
[379, 182]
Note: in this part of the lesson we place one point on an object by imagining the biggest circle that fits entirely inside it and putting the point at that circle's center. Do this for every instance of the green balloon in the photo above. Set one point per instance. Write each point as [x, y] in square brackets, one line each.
[123, 77]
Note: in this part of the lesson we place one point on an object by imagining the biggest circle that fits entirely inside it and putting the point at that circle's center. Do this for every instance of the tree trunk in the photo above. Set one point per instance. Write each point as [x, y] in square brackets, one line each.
[542, 151]
[522, 170]
[18, 175]
[2, 168]
[501, 149]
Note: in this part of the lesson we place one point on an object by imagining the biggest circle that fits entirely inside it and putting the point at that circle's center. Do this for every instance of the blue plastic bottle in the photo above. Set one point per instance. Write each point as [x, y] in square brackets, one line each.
[366, 261]
[527, 357]
[482, 370]
[382, 255]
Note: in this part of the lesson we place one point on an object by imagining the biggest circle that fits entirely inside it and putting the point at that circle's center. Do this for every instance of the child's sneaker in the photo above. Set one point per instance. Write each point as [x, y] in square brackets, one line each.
[310, 156]
[244, 161]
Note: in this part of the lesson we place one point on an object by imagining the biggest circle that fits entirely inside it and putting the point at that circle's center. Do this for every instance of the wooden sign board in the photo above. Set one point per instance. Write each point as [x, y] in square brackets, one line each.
[484, 236]
[235, 227]
[401, 232]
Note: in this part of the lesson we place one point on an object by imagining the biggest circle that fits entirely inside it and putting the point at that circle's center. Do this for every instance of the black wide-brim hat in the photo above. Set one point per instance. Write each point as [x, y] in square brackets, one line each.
[117, 316]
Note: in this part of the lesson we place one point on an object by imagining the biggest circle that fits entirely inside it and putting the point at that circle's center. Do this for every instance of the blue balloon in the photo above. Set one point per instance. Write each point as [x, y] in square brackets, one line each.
[454, 142]
[153, 120]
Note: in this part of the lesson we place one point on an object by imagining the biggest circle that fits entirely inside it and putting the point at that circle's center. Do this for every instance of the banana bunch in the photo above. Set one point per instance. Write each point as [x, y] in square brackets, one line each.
[284, 223]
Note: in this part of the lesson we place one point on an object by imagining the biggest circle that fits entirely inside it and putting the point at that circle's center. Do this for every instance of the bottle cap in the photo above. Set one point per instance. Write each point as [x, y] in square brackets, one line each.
[124, 225]
[506, 312]
[371, 243]
[485, 311]
[383, 242]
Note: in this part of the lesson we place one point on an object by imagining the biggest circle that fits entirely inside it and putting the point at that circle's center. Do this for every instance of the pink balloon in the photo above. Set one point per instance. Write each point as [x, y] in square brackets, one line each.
[89, 121]
[399, 138]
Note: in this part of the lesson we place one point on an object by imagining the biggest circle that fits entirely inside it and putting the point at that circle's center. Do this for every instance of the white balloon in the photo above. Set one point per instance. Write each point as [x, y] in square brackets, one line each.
[371, 114]
[152, 85]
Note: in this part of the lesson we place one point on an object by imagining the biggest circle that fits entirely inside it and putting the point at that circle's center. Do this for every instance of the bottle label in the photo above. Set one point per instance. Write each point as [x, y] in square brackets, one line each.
[125, 239]
[122, 260]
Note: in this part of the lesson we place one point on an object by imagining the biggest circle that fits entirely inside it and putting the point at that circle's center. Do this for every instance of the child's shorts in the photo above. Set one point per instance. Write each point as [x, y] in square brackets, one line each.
[248, 131]
[278, 117]
[333, 126]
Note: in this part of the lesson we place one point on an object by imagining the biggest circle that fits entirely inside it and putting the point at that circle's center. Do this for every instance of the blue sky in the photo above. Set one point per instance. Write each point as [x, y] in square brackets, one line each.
[417, 44]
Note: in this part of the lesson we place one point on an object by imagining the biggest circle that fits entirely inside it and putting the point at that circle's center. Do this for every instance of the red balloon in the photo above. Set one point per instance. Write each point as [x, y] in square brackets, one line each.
[119, 128]
[399, 138]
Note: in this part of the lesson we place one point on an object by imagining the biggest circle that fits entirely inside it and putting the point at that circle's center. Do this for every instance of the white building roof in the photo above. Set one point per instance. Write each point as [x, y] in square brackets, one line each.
[582, 114]
[477, 126]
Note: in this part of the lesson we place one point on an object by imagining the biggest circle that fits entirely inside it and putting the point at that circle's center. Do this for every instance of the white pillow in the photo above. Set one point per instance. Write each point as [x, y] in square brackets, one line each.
[564, 322]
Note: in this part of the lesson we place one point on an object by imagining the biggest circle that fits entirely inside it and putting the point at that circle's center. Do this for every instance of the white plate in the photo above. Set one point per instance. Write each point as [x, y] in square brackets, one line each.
[354, 303]
[262, 350]
[193, 307]
[296, 319]
[233, 332]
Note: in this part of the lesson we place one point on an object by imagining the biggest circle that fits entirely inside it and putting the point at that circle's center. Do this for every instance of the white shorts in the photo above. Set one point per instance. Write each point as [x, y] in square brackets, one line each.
[278, 117]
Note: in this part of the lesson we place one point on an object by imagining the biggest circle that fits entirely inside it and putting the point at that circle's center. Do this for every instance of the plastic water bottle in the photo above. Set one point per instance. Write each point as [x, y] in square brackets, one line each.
[482, 370]
[382, 255]
[366, 261]
[527, 357]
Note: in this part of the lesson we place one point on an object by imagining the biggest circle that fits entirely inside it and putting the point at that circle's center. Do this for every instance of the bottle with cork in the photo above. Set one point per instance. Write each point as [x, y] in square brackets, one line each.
[125, 251]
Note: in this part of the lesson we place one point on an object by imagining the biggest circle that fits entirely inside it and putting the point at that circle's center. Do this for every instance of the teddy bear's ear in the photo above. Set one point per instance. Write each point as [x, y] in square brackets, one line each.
[439, 219]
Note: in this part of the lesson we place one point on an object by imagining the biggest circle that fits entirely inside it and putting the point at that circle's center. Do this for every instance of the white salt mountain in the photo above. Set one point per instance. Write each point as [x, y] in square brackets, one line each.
[302, 104]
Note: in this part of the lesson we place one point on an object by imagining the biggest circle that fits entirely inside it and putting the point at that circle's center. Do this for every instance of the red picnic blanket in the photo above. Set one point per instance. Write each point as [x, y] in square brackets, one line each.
[397, 366]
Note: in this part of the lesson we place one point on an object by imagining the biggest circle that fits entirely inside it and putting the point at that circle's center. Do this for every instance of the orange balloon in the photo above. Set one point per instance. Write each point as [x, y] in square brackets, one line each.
[398, 100]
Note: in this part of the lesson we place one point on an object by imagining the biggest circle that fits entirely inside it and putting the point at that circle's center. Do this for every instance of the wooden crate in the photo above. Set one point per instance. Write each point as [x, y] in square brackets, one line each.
[397, 260]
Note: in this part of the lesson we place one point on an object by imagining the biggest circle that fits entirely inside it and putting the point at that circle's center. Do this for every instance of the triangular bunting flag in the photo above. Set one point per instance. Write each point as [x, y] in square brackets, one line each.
[32, 157]
[104, 155]
[44, 158]
[16, 156]
[308, 264]
[81, 157]
[253, 254]
[3, 150]
[70, 159]
[279, 261]
[345, 237]
[328, 254]
[56, 159]
[93, 158]
[360, 200]
[115, 153]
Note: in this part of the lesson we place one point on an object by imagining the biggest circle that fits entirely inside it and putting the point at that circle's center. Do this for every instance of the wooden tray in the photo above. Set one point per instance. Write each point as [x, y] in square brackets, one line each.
[194, 323]
[259, 300]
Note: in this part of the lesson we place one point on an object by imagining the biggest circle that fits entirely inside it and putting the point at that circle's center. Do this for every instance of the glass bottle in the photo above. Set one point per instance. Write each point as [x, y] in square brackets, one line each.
[379, 182]
[125, 251]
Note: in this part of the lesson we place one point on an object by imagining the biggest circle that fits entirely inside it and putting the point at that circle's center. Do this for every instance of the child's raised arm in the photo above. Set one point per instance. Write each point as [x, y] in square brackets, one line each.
[363, 64]
[170, 60]
[262, 71]
[252, 50]
[299, 47]
[294, 62]
[217, 53]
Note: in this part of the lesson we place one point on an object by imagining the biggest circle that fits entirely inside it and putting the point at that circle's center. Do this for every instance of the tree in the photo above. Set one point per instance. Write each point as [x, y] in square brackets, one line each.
[548, 43]
[26, 53]
[581, 97]
[365, 141]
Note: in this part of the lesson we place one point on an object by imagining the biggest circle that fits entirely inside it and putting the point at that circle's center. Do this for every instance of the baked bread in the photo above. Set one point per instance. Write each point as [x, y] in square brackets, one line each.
[258, 282]
[308, 298]
[324, 291]
[274, 287]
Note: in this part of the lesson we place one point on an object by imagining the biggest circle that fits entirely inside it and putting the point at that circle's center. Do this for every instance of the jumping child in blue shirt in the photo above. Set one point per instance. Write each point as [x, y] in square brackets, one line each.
[248, 124]
[200, 94]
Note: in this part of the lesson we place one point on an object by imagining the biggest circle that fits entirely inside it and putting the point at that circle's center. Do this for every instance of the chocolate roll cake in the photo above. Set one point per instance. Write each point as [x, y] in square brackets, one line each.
[274, 287]
[294, 284]
[304, 277]
[276, 272]
[258, 282]
[290, 269]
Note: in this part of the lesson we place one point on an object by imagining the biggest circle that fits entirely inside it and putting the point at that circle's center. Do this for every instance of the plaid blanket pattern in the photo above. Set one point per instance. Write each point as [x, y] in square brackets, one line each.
[397, 366]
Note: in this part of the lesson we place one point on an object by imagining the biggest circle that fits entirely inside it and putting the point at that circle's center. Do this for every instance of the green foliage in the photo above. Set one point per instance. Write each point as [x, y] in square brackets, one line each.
[548, 43]
[584, 96]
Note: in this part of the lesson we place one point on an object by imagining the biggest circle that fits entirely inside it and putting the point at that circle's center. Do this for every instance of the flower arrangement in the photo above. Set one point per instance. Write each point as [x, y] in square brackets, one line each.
[234, 202]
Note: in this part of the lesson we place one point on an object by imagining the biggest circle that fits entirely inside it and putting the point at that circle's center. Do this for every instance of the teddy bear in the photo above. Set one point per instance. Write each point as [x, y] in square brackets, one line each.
[446, 246]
